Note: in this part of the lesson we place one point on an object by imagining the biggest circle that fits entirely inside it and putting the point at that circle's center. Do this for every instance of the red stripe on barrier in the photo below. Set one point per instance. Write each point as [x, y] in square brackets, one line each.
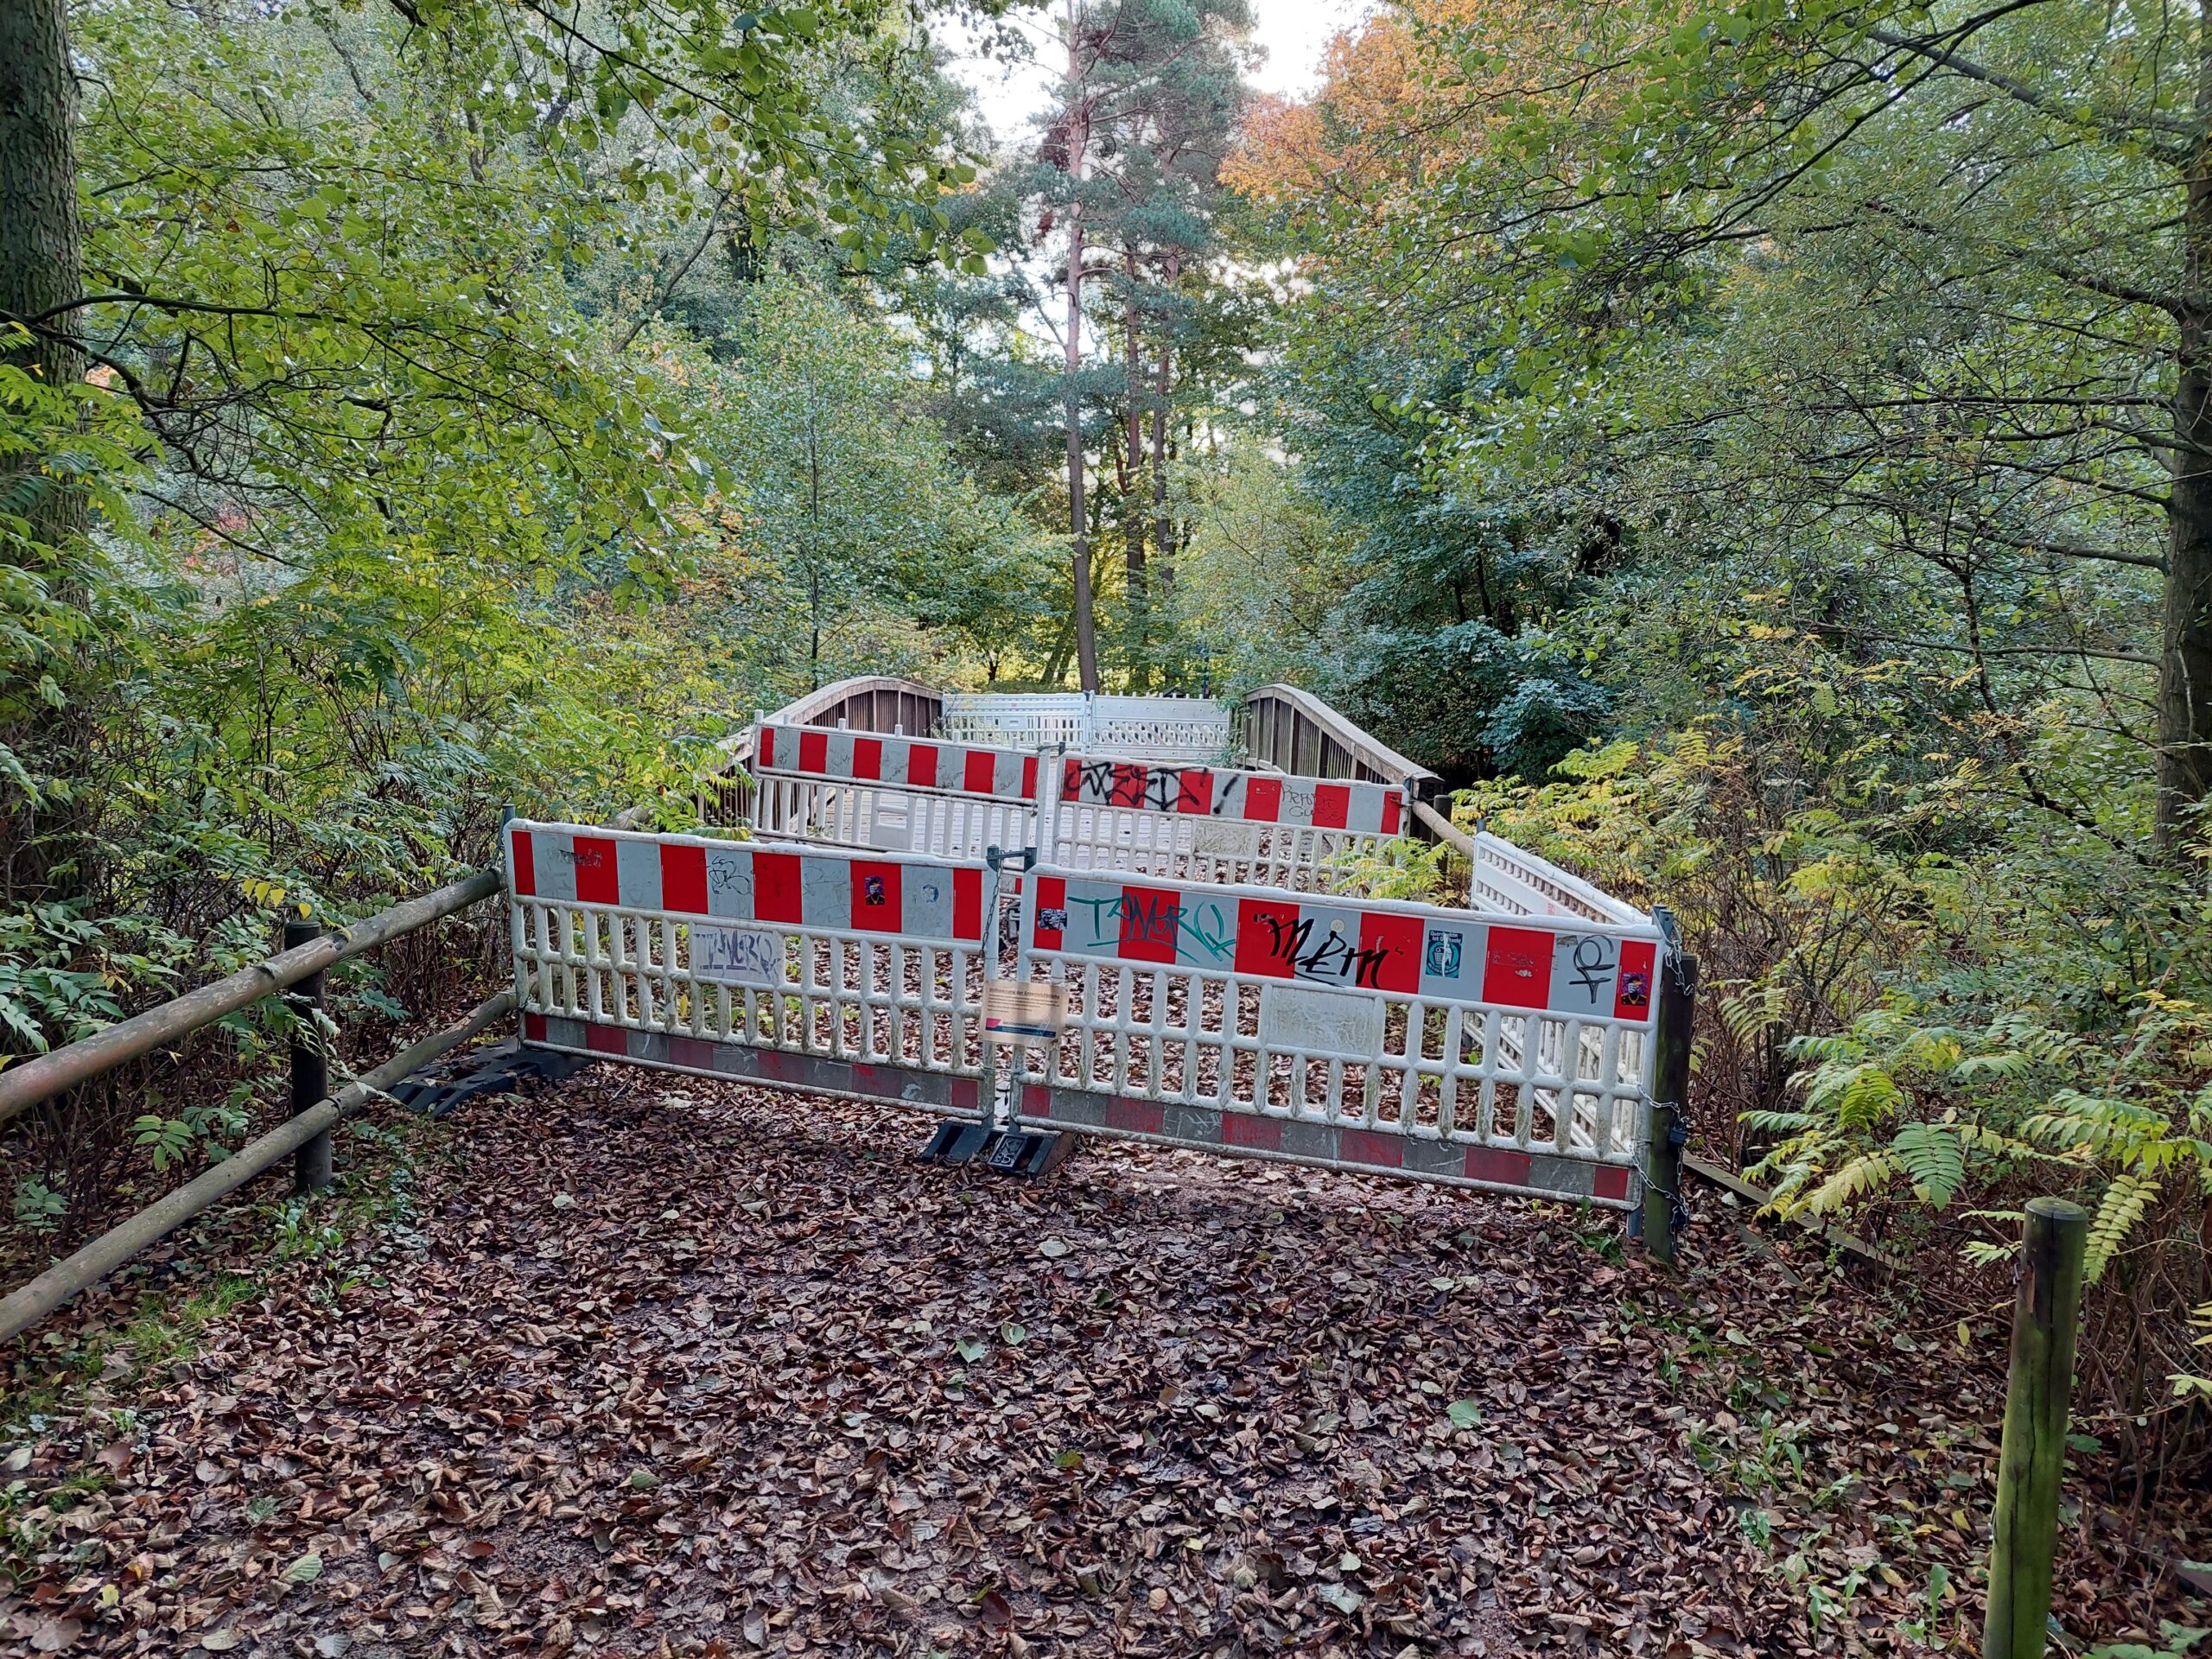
[867, 758]
[1517, 968]
[1632, 990]
[1198, 791]
[684, 878]
[533, 1027]
[1052, 902]
[967, 903]
[814, 751]
[921, 765]
[877, 906]
[1142, 1117]
[1151, 917]
[977, 776]
[1264, 799]
[1267, 937]
[1391, 808]
[764, 753]
[1242, 1129]
[1609, 1181]
[525, 861]
[692, 1052]
[1497, 1164]
[1389, 949]
[1332, 805]
[607, 1040]
[599, 881]
[1367, 1147]
[1029, 776]
[1071, 780]
[776, 887]
[1127, 787]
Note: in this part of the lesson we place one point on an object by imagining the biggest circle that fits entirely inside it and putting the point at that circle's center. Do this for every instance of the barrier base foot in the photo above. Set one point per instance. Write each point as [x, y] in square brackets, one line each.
[1014, 1151]
[955, 1143]
[1022, 1152]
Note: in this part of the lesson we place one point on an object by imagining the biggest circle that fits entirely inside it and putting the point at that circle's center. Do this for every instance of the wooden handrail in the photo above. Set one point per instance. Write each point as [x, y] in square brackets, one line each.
[1379, 762]
[43, 1076]
[71, 1276]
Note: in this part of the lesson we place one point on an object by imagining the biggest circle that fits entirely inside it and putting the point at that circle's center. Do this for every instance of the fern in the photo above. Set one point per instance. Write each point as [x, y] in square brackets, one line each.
[1935, 1159]
[2123, 1205]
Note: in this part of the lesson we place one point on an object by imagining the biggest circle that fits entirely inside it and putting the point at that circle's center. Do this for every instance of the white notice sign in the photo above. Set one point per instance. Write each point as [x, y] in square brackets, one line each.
[1300, 1019]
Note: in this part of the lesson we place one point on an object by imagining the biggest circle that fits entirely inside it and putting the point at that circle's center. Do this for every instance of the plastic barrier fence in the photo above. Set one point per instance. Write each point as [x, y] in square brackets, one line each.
[1441, 1044]
[1211, 824]
[825, 969]
[903, 795]
[1185, 823]
[1157, 728]
[1519, 883]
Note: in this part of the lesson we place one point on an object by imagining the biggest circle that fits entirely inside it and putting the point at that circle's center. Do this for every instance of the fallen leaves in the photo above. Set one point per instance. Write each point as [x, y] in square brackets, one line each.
[739, 1394]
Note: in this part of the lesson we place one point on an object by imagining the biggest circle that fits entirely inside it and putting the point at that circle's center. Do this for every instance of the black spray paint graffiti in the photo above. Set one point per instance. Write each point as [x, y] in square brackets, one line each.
[1331, 959]
[1156, 789]
[1199, 933]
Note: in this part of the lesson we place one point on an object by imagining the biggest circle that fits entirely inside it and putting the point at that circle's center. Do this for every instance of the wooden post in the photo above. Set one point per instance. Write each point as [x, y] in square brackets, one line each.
[1676, 996]
[310, 1068]
[2024, 1534]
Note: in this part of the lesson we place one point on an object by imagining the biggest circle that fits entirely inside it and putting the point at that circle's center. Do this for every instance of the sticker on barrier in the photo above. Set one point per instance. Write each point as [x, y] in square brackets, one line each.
[824, 969]
[1448, 1045]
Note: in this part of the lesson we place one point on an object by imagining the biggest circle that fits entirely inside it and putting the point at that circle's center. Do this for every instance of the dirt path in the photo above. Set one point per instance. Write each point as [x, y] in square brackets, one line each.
[673, 1367]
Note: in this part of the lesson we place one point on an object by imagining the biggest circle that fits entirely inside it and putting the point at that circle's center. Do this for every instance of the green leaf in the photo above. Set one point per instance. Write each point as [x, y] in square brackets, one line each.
[1463, 1414]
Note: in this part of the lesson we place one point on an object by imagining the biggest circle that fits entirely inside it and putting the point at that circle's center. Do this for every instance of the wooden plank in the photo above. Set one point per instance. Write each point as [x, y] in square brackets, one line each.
[1850, 1242]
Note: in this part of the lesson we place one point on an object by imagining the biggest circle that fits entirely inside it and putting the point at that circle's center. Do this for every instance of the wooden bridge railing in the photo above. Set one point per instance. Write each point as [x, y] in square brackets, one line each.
[867, 702]
[1294, 731]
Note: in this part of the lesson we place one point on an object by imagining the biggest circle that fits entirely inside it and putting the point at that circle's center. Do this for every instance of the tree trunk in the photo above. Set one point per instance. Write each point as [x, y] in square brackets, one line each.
[41, 259]
[2185, 655]
[1163, 532]
[2186, 645]
[1132, 516]
[1086, 634]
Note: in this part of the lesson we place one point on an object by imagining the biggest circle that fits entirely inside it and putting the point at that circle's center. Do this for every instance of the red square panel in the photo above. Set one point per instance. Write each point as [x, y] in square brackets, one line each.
[599, 881]
[1249, 1129]
[1268, 937]
[1389, 951]
[1517, 971]
[1144, 1116]
[868, 757]
[1366, 1147]
[814, 751]
[1029, 778]
[1332, 805]
[525, 861]
[1393, 805]
[1052, 907]
[967, 903]
[976, 779]
[684, 878]
[766, 752]
[1264, 799]
[533, 1027]
[606, 1039]
[1609, 1181]
[921, 765]
[776, 887]
[1129, 786]
[877, 905]
[1151, 917]
[1196, 792]
[1499, 1164]
[1634, 990]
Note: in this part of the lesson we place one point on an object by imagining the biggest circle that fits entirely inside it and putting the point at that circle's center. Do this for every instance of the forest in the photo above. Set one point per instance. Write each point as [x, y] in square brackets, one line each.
[1759, 453]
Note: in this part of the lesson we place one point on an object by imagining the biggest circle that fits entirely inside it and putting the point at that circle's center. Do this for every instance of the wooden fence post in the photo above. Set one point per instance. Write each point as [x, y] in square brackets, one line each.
[310, 1067]
[1676, 995]
[2025, 1533]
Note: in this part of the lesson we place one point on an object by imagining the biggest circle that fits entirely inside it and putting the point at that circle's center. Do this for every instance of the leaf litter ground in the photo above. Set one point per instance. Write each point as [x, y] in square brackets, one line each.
[675, 1367]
